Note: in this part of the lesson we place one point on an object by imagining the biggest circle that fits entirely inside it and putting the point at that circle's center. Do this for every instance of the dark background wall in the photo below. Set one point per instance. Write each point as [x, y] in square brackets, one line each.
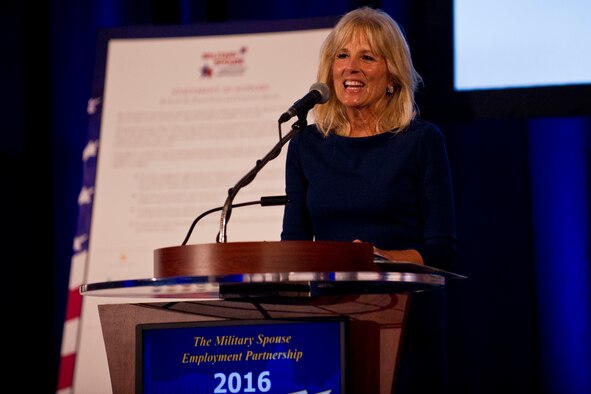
[499, 323]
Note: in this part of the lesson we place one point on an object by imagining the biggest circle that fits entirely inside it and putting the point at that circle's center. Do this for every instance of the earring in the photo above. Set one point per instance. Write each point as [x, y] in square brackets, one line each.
[390, 90]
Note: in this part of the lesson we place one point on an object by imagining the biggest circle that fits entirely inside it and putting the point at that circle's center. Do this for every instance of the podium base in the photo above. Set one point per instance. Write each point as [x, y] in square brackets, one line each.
[375, 328]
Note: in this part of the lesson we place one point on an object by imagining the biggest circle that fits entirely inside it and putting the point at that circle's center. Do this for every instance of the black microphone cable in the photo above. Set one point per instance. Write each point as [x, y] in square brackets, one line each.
[264, 202]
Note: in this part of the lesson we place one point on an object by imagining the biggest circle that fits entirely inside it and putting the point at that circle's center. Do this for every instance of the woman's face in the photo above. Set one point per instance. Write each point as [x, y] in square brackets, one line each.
[360, 76]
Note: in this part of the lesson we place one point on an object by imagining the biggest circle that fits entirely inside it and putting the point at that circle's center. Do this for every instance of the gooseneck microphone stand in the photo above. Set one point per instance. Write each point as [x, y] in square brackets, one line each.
[299, 125]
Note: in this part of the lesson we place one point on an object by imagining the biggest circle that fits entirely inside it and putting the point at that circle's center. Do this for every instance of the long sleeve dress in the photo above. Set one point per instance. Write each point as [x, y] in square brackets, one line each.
[394, 191]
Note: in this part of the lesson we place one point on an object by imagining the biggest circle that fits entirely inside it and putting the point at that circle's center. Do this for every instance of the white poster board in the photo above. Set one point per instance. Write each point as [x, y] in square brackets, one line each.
[183, 119]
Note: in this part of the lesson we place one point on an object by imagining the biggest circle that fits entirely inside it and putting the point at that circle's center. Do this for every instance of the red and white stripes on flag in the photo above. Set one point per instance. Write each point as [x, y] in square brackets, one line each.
[78, 263]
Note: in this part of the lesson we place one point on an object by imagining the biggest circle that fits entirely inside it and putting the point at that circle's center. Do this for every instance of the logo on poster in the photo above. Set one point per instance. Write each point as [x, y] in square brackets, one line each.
[224, 63]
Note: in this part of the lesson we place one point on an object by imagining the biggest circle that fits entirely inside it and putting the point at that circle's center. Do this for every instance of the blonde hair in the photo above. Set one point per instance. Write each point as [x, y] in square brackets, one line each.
[387, 40]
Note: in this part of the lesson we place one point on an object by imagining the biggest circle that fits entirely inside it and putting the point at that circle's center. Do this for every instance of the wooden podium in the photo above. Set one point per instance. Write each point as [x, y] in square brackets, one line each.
[270, 280]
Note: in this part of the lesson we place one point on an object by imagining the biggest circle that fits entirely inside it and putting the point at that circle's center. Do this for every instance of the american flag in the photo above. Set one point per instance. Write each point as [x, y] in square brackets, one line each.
[79, 253]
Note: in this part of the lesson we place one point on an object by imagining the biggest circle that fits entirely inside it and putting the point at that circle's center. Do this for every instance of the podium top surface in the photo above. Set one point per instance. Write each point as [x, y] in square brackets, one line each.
[394, 278]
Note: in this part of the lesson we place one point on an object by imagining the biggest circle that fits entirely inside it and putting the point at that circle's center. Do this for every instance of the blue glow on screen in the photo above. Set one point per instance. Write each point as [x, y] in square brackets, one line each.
[525, 43]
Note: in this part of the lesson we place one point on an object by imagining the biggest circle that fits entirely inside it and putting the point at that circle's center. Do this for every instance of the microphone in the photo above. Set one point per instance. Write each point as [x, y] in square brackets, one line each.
[319, 94]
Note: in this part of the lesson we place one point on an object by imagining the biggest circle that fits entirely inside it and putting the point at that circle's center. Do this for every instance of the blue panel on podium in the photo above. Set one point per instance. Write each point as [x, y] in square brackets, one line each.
[245, 356]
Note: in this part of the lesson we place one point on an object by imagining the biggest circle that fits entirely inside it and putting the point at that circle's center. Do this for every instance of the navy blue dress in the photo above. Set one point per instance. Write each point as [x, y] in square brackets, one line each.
[394, 191]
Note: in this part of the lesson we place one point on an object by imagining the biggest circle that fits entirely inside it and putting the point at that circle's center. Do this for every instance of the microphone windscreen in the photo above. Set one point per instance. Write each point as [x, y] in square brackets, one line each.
[323, 89]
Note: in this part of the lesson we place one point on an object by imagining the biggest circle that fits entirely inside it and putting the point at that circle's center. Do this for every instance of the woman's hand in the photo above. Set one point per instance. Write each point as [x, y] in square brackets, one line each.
[407, 255]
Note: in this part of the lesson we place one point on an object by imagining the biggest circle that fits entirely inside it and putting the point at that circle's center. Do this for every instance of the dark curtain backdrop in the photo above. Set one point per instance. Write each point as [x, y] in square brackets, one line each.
[521, 185]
